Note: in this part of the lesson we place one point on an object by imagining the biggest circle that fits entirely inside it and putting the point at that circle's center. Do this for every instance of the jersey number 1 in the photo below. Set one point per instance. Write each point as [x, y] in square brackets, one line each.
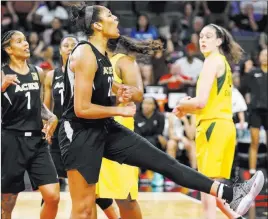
[61, 96]
[28, 95]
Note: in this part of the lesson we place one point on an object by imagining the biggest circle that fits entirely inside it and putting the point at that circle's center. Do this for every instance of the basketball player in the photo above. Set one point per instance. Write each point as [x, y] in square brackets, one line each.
[53, 99]
[117, 181]
[216, 133]
[88, 131]
[23, 145]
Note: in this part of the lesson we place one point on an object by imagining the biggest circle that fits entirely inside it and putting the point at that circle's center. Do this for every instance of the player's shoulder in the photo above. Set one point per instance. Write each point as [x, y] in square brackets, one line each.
[215, 60]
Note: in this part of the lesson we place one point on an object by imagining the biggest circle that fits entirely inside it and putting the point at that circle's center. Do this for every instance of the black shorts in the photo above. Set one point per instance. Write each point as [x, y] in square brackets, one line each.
[258, 118]
[83, 146]
[19, 154]
[56, 157]
[54, 149]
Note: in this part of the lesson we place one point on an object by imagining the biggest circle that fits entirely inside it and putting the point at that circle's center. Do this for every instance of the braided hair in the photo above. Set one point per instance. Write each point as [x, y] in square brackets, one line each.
[5, 42]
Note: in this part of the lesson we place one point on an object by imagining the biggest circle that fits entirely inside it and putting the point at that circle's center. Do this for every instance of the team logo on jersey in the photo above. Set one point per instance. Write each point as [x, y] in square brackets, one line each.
[107, 70]
[59, 85]
[35, 76]
[27, 86]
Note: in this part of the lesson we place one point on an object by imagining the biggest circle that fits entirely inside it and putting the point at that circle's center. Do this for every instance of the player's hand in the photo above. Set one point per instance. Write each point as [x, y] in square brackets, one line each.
[179, 112]
[127, 111]
[9, 80]
[125, 94]
[50, 127]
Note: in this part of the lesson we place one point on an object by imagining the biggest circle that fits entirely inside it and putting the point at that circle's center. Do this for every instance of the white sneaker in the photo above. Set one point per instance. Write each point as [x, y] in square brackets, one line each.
[227, 208]
[245, 193]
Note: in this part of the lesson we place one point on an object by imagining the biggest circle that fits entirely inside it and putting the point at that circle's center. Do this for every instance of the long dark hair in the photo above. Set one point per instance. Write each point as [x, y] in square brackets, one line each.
[231, 49]
[127, 45]
[84, 16]
[5, 42]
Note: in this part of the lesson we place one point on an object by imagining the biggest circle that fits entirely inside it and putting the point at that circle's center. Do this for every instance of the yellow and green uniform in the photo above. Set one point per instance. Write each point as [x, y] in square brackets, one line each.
[215, 132]
[118, 181]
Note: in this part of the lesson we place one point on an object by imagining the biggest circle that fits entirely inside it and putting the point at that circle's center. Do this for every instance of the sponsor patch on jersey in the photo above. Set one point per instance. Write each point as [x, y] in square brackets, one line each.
[35, 76]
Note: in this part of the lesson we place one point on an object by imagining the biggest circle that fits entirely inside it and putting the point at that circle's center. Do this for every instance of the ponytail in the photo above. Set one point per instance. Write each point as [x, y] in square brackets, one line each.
[231, 49]
[127, 45]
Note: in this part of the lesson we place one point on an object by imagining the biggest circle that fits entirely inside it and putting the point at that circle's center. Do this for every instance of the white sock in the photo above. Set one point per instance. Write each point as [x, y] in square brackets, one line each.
[220, 191]
[252, 171]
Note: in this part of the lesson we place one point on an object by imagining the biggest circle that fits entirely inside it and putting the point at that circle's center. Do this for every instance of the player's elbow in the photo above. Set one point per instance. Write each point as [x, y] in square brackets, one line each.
[79, 110]
[201, 103]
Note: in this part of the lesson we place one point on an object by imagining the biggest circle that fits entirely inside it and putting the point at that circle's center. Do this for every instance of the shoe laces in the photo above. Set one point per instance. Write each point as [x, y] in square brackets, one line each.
[236, 182]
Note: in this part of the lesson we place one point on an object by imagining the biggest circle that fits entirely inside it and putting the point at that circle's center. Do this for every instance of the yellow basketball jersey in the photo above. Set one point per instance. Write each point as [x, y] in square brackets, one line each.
[219, 105]
[125, 121]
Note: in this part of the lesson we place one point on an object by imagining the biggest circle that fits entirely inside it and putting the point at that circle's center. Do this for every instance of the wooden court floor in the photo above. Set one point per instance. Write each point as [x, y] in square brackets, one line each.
[153, 205]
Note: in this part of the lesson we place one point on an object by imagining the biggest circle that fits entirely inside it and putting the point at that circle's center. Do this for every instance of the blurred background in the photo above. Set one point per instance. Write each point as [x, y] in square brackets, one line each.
[167, 75]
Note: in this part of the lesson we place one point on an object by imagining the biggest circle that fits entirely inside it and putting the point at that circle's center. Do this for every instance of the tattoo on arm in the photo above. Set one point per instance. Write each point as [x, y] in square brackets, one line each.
[8, 202]
[46, 114]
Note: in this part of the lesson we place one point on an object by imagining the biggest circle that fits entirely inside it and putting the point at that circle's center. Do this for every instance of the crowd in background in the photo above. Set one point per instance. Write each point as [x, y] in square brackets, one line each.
[167, 75]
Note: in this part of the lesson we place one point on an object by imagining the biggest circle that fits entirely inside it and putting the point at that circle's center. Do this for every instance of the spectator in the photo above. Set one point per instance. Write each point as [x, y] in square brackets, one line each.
[144, 31]
[198, 24]
[258, 116]
[47, 63]
[245, 20]
[5, 18]
[22, 13]
[246, 67]
[36, 47]
[54, 35]
[188, 15]
[188, 67]
[217, 12]
[159, 60]
[178, 141]
[149, 123]
[195, 45]
[238, 104]
[263, 40]
[49, 11]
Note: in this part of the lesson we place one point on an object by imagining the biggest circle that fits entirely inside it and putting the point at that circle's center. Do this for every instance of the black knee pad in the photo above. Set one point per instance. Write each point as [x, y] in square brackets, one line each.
[104, 203]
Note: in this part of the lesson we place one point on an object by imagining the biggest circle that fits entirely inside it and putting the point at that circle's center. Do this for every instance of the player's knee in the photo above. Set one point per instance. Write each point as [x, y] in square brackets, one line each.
[52, 197]
[82, 209]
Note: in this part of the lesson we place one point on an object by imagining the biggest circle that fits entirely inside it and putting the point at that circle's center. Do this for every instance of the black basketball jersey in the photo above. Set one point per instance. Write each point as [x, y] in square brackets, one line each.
[21, 104]
[101, 90]
[57, 92]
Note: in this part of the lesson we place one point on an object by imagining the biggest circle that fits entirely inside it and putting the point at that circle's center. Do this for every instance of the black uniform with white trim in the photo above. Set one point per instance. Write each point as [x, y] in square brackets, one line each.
[23, 145]
[84, 142]
[257, 86]
[58, 98]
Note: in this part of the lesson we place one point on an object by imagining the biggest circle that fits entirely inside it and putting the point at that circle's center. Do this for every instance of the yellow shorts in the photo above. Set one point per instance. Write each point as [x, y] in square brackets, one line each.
[117, 181]
[215, 148]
